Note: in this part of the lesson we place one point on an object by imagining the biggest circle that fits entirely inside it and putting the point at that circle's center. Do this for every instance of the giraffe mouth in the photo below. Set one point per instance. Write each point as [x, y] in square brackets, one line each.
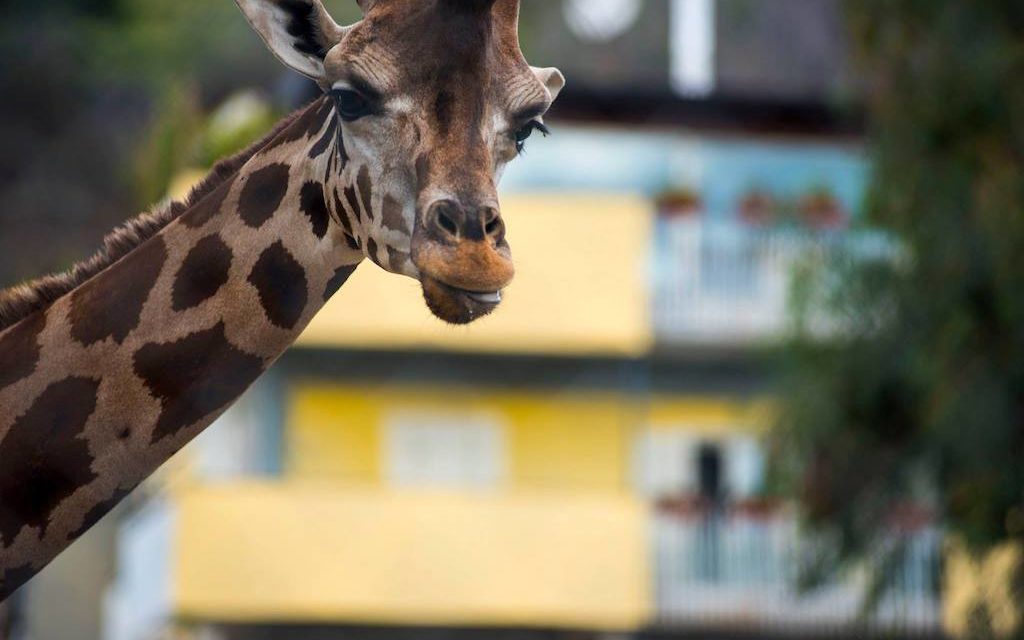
[485, 298]
[455, 305]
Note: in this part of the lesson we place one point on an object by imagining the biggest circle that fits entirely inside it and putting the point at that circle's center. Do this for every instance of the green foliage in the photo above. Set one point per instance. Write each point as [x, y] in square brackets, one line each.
[157, 41]
[921, 397]
[171, 144]
[187, 55]
[183, 137]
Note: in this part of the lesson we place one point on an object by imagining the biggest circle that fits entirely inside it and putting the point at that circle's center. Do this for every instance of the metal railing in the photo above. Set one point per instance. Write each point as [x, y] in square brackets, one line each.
[736, 568]
[725, 282]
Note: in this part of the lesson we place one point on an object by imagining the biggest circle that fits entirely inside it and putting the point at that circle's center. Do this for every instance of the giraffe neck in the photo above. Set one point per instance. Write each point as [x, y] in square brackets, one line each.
[106, 384]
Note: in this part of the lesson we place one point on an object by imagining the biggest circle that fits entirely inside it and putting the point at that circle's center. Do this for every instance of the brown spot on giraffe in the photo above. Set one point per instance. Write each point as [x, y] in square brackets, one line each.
[44, 456]
[208, 207]
[310, 122]
[194, 377]
[92, 317]
[281, 283]
[397, 259]
[366, 193]
[371, 251]
[202, 274]
[393, 215]
[340, 214]
[322, 145]
[313, 204]
[19, 349]
[12, 579]
[101, 509]
[262, 194]
[353, 204]
[341, 276]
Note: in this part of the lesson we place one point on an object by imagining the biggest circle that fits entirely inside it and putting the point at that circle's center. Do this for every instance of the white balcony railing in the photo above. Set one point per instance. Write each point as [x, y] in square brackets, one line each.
[732, 569]
[727, 283]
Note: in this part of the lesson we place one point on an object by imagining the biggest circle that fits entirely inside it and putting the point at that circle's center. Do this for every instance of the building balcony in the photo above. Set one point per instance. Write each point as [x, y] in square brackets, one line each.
[255, 554]
[737, 567]
[726, 283]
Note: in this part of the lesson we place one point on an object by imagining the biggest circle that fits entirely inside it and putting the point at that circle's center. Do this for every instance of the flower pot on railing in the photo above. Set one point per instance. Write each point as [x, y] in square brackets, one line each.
[758, 209]
[684, 507]
[759, 509]
[820, 210]
[680, 204]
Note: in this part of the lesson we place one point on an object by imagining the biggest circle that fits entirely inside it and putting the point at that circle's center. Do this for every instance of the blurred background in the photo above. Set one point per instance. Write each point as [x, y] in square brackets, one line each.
[772, 388]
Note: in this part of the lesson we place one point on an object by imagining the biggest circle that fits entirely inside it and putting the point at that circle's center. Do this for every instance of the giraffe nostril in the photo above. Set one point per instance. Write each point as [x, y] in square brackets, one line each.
[446, 219]
[493, 224]
[447, 223]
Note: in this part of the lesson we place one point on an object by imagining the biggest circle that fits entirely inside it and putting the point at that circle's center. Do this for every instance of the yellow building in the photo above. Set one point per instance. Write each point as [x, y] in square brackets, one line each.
[472, 477]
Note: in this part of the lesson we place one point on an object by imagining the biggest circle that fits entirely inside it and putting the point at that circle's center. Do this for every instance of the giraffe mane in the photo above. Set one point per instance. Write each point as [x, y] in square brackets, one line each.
[23, 300]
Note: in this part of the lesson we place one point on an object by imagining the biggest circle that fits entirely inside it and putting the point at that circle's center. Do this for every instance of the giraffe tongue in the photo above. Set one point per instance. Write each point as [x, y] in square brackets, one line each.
[486, 298]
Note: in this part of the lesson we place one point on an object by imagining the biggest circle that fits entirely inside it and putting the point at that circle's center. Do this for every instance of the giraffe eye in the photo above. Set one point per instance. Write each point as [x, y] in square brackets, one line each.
[351, 104]
[522, 135]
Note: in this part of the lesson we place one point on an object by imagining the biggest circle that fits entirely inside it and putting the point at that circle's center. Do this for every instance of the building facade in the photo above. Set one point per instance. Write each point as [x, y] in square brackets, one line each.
[591, 461]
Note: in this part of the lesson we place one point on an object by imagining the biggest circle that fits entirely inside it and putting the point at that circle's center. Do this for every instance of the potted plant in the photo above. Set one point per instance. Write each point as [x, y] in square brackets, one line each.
[679, 203]
[820, 209]
[758, 208]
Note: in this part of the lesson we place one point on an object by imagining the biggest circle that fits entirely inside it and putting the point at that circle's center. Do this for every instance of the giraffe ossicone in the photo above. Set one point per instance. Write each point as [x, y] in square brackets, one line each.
[109, 369]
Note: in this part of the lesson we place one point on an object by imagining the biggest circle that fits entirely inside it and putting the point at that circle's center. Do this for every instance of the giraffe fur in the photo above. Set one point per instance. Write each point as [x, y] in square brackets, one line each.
[109, 369]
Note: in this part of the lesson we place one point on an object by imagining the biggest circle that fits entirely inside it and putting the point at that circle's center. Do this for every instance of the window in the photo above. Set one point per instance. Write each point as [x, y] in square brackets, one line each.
[661, 464]
[693, 47]
[673, 463]
[449, 451]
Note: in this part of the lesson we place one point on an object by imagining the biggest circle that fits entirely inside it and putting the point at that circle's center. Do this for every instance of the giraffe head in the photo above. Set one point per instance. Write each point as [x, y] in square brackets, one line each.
[434, 98]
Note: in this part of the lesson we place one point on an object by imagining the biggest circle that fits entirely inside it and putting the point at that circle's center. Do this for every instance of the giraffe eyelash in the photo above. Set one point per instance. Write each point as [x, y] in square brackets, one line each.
[352, 105]
[521, 135]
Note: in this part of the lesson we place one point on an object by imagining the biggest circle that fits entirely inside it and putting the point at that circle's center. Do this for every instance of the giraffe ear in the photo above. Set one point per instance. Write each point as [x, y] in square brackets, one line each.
[298, 32]
[552, 79]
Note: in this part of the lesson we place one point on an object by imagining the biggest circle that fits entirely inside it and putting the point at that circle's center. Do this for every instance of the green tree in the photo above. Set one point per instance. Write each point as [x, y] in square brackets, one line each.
[919, 397]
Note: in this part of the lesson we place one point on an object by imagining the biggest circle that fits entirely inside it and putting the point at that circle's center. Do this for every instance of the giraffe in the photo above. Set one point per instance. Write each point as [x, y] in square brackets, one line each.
[109, 369]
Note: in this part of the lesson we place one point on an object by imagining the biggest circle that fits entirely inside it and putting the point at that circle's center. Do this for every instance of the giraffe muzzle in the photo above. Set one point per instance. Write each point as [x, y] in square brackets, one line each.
[464, 260]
